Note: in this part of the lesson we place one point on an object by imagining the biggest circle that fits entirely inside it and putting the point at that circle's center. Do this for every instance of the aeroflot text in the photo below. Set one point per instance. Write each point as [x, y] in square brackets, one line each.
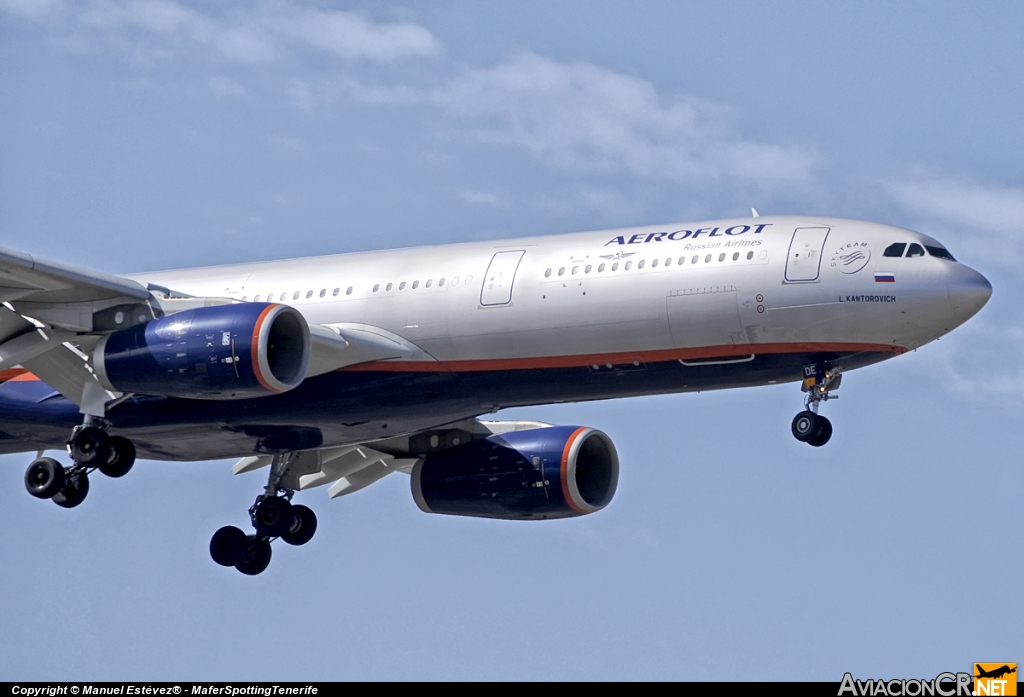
[688, 234]
[944, 685]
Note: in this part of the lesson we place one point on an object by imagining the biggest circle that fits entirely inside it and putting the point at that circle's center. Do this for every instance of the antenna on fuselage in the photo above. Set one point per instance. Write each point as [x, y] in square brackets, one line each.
[753, 212]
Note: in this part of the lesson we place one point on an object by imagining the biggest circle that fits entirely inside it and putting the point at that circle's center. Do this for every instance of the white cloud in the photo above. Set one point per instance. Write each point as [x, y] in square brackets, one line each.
[988, 218]
[224, 87]
[482, 198]
[267, 33]
[33, 9]
[974, 361]
[585, 118]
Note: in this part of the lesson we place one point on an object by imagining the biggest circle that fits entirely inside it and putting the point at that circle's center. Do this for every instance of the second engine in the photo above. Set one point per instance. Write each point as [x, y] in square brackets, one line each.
[535, 474]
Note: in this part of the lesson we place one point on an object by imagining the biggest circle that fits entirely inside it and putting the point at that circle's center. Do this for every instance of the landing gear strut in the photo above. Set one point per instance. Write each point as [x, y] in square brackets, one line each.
[91, 448]
[273, 516]
[809, 426]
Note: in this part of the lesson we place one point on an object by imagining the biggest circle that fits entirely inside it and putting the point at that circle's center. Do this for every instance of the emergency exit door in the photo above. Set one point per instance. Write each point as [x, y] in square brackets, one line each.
[500, 276]
[804, 261]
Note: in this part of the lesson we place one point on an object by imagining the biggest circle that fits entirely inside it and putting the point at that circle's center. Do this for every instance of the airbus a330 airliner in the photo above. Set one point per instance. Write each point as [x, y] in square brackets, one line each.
[340, 370]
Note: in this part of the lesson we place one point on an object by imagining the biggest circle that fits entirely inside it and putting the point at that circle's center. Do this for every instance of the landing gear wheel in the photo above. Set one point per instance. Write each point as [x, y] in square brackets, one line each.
[76, 488]
[90, 447]
[256, 557]
[120, 459]
[228, 545]
[824, 433]
[273, 516]
[806, 425]
[44, 478]
[303, 526]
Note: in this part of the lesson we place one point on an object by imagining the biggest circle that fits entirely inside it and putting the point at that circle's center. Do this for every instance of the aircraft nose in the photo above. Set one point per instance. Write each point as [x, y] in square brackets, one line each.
[968, 290]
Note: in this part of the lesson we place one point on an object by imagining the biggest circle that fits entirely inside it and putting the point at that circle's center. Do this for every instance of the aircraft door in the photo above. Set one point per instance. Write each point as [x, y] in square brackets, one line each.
[804, 261]
[704, 317]
[500, 276]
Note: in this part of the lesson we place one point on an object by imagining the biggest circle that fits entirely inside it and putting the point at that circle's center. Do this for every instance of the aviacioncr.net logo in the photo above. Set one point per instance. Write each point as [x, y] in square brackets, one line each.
[943, 685]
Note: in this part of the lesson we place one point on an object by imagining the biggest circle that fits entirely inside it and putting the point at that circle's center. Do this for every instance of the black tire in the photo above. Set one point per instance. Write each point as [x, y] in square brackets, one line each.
[44, 478]
[273, 516]
[256, 557]
[121, 458]
[90, 447]
[824, 433]
[303, 526]
[76, 488]
[228, 545]
[806, 426]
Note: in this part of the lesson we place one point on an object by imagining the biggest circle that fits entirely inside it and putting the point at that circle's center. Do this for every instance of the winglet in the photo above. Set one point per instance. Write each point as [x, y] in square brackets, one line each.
[753, 212]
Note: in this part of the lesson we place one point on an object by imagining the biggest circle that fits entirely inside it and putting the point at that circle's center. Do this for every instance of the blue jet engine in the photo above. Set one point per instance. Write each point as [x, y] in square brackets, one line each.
[223, 352]
[536, 474]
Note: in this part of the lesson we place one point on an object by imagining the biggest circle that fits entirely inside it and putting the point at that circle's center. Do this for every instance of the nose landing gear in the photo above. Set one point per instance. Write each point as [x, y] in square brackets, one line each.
[91, 448]
[809, 426]
[273, 516]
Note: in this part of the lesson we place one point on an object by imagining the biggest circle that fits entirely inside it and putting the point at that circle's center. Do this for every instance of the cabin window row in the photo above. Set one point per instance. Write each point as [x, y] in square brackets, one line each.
[416, 284]
[296, 295]
[695, 259]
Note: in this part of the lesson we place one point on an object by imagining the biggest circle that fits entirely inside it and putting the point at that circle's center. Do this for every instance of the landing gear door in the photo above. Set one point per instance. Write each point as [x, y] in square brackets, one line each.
[501, 274]
[804, 261]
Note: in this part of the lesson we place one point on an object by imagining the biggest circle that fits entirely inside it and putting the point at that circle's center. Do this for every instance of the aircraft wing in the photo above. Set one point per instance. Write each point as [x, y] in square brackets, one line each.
[350, 468]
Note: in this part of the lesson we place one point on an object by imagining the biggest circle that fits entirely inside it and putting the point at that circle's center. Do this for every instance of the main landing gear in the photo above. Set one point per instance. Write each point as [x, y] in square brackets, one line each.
[809, 426]
[273, 516]
[91, 448]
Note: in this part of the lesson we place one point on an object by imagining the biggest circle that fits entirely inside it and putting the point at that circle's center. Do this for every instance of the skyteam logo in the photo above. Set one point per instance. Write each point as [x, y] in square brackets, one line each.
[852, 257]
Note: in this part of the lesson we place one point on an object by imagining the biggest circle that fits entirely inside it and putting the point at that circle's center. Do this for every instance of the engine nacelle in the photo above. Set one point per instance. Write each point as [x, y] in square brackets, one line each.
[222, 352]
[540, 473]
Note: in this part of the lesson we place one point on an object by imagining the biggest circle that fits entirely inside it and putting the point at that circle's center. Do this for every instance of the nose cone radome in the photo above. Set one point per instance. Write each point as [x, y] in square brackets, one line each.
[968, 291]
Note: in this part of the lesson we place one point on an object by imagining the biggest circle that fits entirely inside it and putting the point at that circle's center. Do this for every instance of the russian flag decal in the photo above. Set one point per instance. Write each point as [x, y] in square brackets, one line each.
[885, 278]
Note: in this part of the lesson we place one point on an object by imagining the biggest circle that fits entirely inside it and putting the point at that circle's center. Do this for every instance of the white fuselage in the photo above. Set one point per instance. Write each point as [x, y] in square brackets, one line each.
[696, 290]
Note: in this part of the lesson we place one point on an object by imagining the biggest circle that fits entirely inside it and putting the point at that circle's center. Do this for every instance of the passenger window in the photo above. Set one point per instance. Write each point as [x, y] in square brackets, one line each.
[641, 264]
[347, 292]
[654, 264]
[256, 299]
[615, 266]
[245, 298]
[735, 256]
[895, 249]
[707, 259]
[682, 260]
[430, 282]
[915, 250]
[588, 269]
[323, 292]
[296, 295]
[440, 283]
[376, 287]
[309, 294]
[561, 271]
[547, 274]
[575, 269]
[388, 287]
[694, 260]
[416, 284]
[336, 291]
[629, 265]
[668, 262]
[721, 257]
[750, 255]
[600, 268]
[939, 252]
[401, 286]
[455, 280]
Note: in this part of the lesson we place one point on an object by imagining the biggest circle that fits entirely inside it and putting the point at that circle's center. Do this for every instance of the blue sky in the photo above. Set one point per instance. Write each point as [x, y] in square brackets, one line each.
[154, 135]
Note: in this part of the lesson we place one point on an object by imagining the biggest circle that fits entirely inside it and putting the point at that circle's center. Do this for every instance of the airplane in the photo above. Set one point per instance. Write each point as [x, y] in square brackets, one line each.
[340, 370]
[995, 673]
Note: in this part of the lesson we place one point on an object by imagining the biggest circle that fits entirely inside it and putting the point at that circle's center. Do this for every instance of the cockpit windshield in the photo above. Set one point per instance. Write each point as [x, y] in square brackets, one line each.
[939, 252]
[899, 249]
